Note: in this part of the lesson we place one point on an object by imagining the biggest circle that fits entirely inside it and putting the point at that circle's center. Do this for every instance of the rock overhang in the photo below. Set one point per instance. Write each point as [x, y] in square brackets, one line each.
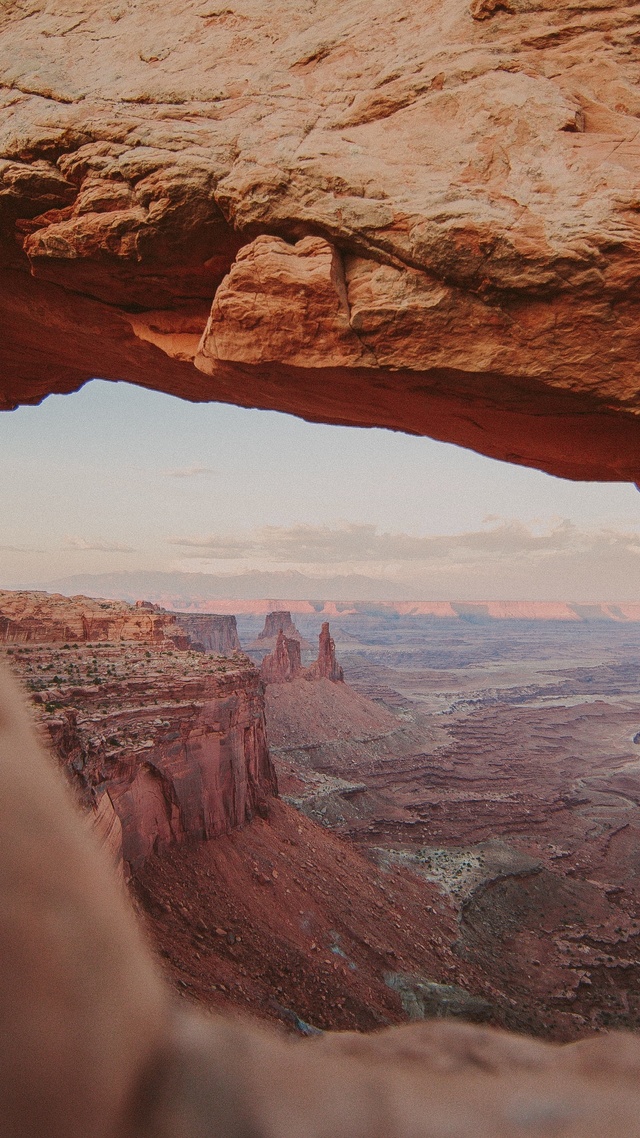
[421, 220]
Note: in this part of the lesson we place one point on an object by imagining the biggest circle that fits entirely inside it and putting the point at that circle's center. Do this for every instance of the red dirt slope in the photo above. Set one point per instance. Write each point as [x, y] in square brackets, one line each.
[285, 919]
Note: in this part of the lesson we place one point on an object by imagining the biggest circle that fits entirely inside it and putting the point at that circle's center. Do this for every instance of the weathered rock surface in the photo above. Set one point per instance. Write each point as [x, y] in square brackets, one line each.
[283, 664]
[162, 746]
[326, 666]
[27, 616]
[94, 1047]
[274, 624]
[424, 219]
[287, 921]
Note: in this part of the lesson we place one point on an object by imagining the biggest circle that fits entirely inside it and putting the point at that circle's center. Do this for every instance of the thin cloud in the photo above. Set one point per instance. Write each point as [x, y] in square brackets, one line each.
[20, 549]
[71, 542]
[190, 471]
[362, 543]
[503, 560]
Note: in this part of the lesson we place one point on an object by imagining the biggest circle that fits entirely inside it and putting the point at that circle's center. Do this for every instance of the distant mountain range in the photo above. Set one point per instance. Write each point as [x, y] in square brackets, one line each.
[259, 592]
[193, 588]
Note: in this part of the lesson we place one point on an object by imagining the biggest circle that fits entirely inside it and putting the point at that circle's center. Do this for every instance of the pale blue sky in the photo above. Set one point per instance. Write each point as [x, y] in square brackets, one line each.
[116, 466]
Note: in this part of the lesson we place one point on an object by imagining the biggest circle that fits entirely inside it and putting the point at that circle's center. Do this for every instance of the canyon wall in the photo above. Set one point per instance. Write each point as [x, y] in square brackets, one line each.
[161, 747]
[162, 740]
[209, 632]
[37, 617]
[27, 617]
[423, 219]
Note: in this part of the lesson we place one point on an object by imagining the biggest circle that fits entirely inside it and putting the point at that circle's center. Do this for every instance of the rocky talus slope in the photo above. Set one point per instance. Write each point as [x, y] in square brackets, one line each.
[288, 921]
[95, 1046]
[166, 750]
[419, 218]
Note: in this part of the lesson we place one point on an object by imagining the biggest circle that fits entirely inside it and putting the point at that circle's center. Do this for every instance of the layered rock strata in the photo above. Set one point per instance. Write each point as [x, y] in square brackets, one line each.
[34, 617]
[161, 746]
[274, 624]
[37, 617]
[283, 664]
[424, 219]
[94, 1045]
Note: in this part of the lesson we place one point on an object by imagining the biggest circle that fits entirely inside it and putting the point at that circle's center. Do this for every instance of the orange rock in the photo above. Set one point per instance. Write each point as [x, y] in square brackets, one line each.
[424, 219]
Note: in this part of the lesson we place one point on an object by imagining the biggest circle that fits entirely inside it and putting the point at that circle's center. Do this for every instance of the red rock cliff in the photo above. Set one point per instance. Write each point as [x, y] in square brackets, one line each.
[283, 664]
[36, 617]
[274, 624]
[326, 666]
[423, 219]
[162, 746]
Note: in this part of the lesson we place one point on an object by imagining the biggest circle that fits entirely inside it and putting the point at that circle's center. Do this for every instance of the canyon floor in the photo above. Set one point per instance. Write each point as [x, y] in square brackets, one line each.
[508, 777]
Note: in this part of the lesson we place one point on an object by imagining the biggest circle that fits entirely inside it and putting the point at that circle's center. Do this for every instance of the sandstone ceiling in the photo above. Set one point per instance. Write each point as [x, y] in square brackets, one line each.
[424, 217]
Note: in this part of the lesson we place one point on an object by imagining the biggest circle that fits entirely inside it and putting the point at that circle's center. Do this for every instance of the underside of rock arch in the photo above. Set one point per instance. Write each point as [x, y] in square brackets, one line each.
[425, 218]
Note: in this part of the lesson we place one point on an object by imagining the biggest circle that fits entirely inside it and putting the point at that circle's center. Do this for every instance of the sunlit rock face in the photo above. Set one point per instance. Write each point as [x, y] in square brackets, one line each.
[50, 618]
[424, 218]
[29, 616]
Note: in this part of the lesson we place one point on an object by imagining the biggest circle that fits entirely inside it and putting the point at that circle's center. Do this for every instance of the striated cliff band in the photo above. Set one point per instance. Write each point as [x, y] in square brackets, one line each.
[422, 218]
[162, 741]
[50, 617]
[284, 662]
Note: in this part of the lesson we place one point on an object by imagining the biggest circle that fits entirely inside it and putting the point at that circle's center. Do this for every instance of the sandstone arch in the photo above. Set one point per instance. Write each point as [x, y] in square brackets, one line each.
[424, 219]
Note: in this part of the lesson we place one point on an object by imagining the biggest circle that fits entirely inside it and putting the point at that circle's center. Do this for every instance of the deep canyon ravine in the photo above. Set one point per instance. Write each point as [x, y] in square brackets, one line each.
[472, 787]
